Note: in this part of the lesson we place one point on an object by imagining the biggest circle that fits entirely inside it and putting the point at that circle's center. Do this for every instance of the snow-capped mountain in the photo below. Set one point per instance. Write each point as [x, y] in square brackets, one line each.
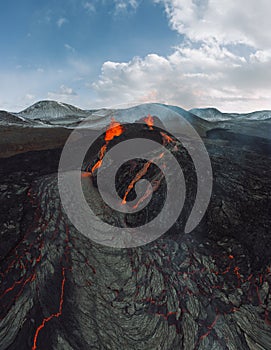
[50, 110]
[52, 114]
[213, 114]
[53, 121]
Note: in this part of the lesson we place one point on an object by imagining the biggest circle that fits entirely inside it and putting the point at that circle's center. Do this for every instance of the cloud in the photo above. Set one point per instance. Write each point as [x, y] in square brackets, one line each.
[224, 59]
[189, 77]
[20, 88]
[69, 47]
[61, 21]
[30, 97]
[225, 21]
[125, 6]
[64, 94]
[64, 91]
[89, 6]
[261, 56]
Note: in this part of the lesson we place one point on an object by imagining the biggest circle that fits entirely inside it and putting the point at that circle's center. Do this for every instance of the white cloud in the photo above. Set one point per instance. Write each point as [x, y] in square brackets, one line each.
[261, 56]
[125, 6]
[69, 47]
[190, 77]
[89, 6]
[226, 21]
[23, 87]
[64, 94]
[224, 60]
[63, 91]
[61, 21]
[30, 97]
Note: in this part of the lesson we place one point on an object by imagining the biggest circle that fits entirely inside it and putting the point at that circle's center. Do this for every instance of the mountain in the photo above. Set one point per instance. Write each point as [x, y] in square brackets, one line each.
[50, 110]
[47, 123]
[213, 114]
[52, 113]
[7, 118]
[65, 115]
[172, 117]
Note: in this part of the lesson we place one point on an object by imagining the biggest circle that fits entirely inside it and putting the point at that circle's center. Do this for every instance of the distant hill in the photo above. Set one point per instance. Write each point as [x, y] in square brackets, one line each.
[213, 114]
[48, 110]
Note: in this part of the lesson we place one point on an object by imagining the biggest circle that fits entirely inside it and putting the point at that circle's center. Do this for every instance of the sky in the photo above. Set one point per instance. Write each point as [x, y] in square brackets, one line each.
[119, 53]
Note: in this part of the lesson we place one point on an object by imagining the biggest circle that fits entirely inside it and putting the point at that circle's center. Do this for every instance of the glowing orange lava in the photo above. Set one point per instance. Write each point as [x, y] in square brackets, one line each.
[115, 129]
[149, 121]
[85, 174]
[138, 176]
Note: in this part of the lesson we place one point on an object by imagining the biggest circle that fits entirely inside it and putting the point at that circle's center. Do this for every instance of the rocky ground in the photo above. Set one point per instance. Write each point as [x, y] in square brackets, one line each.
[20, 139]
[207, 290]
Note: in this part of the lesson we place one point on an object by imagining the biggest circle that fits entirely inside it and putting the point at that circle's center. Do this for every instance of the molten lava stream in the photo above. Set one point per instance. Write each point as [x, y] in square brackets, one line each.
[115, 129]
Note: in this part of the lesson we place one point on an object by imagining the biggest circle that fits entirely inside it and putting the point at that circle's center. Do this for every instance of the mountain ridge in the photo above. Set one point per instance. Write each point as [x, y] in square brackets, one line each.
[214, 114]
[46, 110]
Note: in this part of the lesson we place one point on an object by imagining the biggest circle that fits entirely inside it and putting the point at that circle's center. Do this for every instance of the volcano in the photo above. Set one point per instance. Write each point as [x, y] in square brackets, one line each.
[206, 289]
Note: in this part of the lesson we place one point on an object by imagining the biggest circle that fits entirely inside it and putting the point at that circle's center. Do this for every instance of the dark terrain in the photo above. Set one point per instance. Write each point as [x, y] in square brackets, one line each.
[207, 290]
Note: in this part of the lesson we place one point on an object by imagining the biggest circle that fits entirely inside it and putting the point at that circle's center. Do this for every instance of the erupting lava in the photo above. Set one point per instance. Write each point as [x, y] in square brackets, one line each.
[149, 121]
[115, 129]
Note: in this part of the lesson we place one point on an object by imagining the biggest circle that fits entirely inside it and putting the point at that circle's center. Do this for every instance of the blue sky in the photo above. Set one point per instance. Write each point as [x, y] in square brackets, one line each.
[107, 53]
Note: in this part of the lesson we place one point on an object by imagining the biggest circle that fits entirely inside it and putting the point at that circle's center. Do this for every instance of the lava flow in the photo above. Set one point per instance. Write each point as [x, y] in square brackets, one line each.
[115, 129]
[155, 184]
[149, 121]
